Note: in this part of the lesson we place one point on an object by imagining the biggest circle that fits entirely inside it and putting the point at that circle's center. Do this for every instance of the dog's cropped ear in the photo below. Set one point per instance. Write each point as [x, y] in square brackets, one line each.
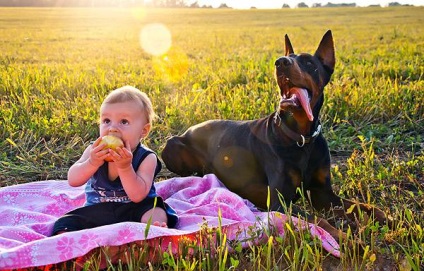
[325, 51]
[289, 47]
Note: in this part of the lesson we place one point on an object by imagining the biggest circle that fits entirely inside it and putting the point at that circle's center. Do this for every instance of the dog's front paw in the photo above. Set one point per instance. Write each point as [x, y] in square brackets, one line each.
[382, 218]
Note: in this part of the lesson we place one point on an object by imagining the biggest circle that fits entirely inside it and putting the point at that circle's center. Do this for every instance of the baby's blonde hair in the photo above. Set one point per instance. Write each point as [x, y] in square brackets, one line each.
[130, 93]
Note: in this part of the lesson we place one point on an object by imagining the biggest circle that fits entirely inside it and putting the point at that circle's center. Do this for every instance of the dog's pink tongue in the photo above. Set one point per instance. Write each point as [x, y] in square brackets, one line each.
[302, 96]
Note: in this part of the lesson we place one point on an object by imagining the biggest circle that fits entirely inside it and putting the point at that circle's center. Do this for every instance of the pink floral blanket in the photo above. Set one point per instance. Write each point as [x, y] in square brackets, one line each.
[28, 211]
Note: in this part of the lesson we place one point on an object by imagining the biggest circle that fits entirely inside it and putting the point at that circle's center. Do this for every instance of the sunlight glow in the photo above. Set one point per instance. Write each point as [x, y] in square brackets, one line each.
[138, 13]
[155, 39]
[173, 65]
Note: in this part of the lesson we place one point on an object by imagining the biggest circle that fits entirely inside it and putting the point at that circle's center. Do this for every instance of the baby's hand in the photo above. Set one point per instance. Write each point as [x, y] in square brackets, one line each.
[97, 153]
[122, 156]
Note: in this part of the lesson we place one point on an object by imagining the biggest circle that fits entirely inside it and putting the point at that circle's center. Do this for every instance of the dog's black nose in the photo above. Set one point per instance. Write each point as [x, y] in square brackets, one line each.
[283, 61]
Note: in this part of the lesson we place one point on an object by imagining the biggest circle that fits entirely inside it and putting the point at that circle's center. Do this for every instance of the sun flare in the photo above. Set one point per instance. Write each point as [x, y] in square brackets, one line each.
[155, 39]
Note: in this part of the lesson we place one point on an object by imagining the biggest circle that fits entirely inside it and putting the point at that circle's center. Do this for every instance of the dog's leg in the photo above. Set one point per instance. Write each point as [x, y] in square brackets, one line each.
[322, 197]
[327, 200]
[353, 209]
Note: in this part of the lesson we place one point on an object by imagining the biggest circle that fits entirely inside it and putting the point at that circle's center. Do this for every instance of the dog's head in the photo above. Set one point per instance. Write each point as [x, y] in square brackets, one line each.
[302, 78]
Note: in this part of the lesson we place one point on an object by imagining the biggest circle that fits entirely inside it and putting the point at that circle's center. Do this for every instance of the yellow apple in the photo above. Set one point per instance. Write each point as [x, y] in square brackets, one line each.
[112, 142]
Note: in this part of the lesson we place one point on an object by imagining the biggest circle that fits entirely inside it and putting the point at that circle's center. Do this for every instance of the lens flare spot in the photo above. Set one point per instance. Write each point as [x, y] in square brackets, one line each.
[155, 39]
[173, 65]
[227, 161]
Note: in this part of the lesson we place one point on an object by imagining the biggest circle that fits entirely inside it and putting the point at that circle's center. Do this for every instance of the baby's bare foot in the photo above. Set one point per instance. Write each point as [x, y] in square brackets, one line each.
[160, 224]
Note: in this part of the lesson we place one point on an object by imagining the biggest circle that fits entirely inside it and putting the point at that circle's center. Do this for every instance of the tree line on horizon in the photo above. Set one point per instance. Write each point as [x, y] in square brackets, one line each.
[152, 3]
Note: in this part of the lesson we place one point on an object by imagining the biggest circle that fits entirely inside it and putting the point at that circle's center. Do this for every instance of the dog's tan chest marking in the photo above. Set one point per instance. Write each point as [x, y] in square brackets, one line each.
[295, 177]
[321, 175]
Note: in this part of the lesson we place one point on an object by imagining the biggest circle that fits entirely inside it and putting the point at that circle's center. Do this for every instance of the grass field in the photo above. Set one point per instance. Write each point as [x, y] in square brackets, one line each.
[56, 65]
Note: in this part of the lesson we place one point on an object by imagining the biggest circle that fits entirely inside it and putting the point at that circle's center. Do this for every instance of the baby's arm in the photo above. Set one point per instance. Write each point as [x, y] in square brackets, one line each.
[92, 158]
[137, 183]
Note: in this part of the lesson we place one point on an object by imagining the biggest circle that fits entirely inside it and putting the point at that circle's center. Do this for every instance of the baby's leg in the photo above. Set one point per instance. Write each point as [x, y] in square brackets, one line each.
[157, 215]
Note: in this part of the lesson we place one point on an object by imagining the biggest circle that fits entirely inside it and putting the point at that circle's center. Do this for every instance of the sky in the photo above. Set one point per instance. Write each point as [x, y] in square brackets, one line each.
[246, 4]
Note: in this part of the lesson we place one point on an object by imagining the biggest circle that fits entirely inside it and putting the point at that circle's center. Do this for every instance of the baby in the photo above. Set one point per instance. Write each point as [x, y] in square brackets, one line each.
[123, 189]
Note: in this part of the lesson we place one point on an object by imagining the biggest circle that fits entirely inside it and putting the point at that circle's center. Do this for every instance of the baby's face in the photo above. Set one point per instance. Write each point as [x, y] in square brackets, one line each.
[125, 120]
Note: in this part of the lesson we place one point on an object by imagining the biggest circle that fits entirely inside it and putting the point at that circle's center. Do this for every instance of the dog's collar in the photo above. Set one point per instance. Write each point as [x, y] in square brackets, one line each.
[300, 139]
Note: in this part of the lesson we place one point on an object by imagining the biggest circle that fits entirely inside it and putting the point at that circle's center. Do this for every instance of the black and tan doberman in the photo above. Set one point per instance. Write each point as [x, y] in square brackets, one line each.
[283, 151]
